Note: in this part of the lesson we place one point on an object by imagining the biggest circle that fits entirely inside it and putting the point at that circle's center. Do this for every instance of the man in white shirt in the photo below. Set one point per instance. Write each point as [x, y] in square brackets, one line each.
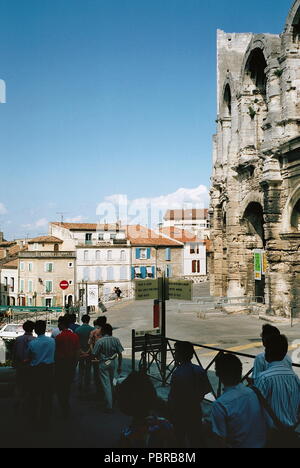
[237, 417]
[279, 384]
[260, 363]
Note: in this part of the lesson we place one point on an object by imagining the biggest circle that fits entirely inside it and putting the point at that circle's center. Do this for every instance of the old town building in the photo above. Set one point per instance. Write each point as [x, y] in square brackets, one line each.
[255, 193]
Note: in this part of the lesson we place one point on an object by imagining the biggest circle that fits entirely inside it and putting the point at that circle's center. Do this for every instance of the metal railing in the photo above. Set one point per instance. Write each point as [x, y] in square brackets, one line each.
[151, 355]
[219, 303]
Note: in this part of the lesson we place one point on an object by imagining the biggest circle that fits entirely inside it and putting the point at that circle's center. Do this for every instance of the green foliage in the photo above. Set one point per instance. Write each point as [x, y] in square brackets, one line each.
[278, 72]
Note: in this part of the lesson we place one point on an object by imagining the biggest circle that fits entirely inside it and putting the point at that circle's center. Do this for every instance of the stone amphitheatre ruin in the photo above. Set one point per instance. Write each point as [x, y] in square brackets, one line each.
[255, 185]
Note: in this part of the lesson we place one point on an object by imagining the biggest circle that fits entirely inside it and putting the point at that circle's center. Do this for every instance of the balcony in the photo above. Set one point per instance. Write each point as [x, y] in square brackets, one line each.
[47, 254]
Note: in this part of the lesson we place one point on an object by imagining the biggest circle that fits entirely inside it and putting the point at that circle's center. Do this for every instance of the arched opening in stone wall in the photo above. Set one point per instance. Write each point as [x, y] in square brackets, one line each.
[255, 70]
[253, 221]
[295, 218]
[254, 101]
[227, 101]
[296, 27]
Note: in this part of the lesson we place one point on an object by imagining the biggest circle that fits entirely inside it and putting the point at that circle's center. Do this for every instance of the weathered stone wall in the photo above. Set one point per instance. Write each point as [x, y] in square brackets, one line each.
[256, 166]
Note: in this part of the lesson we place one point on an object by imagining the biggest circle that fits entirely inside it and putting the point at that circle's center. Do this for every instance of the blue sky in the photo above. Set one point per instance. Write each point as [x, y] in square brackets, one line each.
[109, 97]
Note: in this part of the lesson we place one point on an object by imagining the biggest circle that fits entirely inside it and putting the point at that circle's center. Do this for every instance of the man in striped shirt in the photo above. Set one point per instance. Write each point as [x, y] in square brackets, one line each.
[107, 349]
[279, 384]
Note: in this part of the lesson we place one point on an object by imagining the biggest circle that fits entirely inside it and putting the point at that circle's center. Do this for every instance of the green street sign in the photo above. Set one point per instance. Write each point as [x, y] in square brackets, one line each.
[257, 253]
[146, 289]
[180, 289]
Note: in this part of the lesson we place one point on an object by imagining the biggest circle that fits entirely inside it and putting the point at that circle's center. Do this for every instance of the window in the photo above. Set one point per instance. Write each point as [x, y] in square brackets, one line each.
[56, 247]
[123, 273]
[48, 302]
[86, 274]
[30, 286]
[110, 274]
[168, 254]
[21, 285]
[5, 283]
[49, 267]
[22, 267]
[123, 255]
[113, 236]
[86, 255]
[169, 271]
[48, 287]
[150, 272]
[35, 246]
[100, 237]
[196, 266]
[98, 274]
[12, 283]
[143, 254]
[88, 238]
[109, 255]
[194, 249]
[30, 266]
[98, 255]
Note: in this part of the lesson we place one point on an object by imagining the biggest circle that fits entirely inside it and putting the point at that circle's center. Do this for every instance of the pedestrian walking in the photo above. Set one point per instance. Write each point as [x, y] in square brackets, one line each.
[108, 350]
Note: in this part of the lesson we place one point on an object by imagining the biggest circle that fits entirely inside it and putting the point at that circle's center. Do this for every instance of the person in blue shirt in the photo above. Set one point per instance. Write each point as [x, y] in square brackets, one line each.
[237, 418]
[41, 354]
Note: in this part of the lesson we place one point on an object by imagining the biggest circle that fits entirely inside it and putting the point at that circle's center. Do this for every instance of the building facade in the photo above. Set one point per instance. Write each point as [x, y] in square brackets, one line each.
[255, 193]
[103, 258]
[193, 220]
[194, 253]
[153, 254]
[41, 269]
[9, 283]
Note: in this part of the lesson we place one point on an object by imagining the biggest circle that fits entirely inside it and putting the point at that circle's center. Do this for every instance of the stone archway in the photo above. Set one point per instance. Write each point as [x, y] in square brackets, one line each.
[252, 224]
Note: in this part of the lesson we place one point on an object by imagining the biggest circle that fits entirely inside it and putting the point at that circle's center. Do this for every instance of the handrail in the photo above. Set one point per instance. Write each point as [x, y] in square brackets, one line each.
[151, 355]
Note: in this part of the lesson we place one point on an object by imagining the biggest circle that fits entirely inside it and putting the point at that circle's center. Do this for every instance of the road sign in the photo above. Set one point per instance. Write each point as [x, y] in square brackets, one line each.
[64, 284]
[180, 289]
[146, 289]
[257, 264]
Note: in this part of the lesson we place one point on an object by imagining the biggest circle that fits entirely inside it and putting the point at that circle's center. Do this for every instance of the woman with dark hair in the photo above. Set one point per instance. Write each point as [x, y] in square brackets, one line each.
[136, 397]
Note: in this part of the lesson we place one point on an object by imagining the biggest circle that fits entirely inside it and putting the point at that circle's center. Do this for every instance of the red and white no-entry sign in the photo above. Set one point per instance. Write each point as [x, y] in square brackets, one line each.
[64, 284]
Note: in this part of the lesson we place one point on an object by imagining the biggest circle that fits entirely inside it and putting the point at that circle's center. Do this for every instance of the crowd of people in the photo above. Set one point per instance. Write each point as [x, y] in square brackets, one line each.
[46, 366]
[261, 411]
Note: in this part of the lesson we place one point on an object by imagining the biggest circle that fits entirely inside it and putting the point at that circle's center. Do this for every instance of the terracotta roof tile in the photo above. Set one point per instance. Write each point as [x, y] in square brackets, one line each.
[90, 226]
[140, 235]
[10, 264]
[45, 240]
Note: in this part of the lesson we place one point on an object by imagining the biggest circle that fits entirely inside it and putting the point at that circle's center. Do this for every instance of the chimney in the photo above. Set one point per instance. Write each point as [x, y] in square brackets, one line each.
[1, 237]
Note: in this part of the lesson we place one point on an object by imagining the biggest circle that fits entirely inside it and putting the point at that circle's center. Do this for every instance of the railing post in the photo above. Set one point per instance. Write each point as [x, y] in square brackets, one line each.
[133, 350]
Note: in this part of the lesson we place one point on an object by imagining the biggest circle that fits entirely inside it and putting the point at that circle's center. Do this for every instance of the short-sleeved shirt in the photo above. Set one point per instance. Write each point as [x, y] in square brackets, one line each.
[84, 332]
[106, 347]
[281, 388]
[42, 350]
[21, 347]
[261, 365]
[67, 345]
[238, 418]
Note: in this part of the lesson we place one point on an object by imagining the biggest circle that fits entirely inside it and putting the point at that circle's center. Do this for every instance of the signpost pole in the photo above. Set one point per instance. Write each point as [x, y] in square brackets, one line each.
[163, 331]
